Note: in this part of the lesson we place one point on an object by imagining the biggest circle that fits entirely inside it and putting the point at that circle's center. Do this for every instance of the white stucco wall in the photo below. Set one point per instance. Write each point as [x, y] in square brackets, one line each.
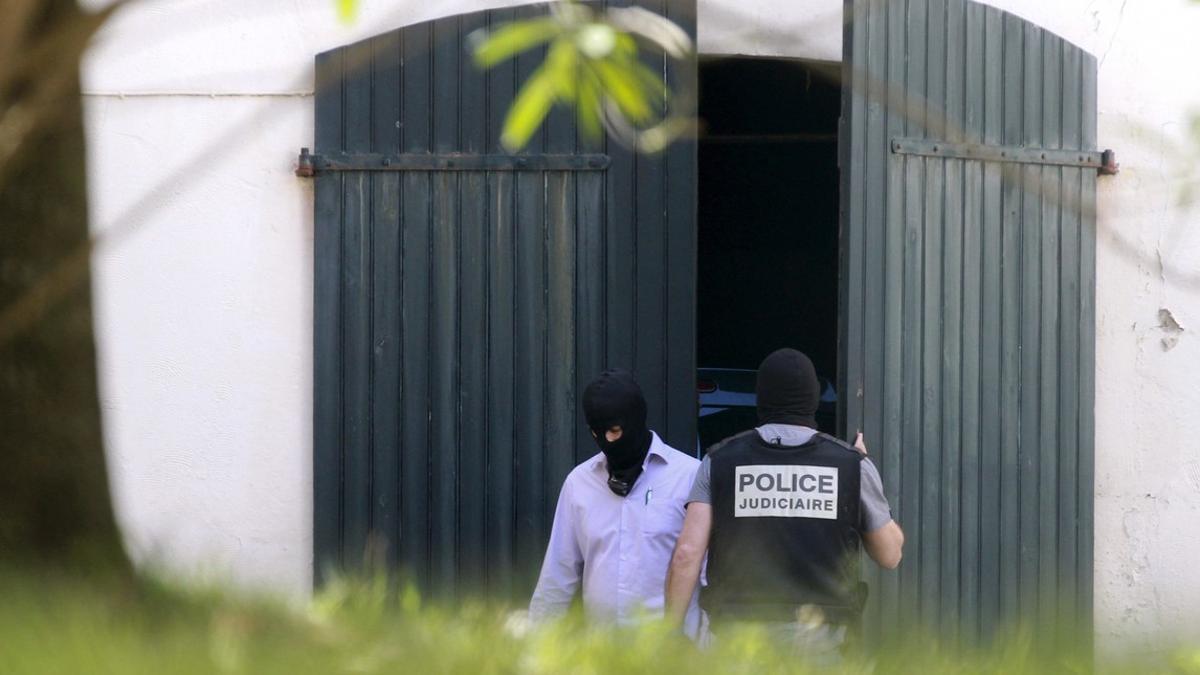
[196, 109]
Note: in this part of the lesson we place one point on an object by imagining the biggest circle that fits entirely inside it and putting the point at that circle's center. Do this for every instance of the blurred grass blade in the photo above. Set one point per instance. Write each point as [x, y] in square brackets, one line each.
[512, 39]
[531, 107]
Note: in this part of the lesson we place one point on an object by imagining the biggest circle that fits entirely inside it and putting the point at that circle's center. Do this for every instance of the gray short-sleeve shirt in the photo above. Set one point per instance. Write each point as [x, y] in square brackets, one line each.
[874, 508]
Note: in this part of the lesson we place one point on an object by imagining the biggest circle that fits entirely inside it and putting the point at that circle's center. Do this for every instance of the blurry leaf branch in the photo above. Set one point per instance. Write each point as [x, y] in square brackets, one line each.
[593, 63]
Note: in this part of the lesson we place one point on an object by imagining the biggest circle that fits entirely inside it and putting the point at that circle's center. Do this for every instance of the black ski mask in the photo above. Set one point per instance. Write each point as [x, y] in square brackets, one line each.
[788, 390]
[614, 399]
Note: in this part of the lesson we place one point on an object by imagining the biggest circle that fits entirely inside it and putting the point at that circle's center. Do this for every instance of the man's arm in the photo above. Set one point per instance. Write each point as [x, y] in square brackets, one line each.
[882, 537]
[885, 545]
[562, 567]
[684, 571]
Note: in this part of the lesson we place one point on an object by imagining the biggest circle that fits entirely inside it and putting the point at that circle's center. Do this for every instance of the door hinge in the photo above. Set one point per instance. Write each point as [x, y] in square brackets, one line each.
[304, 166]
[1104, 162]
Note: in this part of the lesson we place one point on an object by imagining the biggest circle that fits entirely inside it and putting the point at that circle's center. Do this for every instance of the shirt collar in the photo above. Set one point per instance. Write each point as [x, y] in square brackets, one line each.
[658, 451]
[786, 435]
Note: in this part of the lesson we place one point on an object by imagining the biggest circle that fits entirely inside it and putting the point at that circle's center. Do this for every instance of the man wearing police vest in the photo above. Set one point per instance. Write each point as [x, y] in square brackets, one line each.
[781, 511]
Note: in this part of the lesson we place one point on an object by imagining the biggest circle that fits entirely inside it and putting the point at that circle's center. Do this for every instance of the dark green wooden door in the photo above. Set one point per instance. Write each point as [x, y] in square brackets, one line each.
[463, 298]
[969, 176]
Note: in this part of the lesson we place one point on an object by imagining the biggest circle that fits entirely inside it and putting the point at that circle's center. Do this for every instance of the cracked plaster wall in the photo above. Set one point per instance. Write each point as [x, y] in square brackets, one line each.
[204, 276]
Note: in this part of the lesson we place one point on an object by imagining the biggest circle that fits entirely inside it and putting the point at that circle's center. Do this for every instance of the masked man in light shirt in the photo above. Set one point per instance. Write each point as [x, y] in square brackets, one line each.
[618, 516]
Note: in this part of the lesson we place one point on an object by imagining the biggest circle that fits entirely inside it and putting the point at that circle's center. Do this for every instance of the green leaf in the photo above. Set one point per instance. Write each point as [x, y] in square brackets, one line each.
[624, 86]
[587, 107]
[625, 45]
[651, 83]
[513, 38]
[562, 65]
[347, 10]
[527, 112]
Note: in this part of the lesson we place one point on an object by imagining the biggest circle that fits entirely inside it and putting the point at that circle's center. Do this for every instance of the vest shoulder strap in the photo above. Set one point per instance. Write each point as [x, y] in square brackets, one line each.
[840, 443]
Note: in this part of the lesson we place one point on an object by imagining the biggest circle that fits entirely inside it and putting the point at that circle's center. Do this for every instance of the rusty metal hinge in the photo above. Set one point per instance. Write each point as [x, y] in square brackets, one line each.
[304, 166]
[1104, 162]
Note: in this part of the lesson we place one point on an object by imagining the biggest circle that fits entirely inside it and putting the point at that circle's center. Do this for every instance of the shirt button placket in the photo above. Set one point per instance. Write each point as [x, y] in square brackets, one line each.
[622, 566]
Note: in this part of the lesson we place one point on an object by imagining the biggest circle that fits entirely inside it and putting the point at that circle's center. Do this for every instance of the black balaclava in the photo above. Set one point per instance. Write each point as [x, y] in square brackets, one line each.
[614, 399]
[788, 390]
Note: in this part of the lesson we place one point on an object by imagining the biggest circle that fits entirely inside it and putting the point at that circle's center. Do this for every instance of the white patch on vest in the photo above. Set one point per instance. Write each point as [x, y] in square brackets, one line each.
[786, 491]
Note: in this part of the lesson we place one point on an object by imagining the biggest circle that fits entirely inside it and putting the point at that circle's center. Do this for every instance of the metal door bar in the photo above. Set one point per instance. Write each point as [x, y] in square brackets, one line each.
[1104, 162]
[310, 164]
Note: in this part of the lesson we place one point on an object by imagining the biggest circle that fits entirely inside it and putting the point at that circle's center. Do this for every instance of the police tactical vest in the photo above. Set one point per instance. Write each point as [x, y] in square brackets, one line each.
[785, 530]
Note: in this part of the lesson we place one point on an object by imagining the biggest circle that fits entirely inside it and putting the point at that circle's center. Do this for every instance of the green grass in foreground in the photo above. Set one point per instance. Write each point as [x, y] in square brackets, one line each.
[65, 627]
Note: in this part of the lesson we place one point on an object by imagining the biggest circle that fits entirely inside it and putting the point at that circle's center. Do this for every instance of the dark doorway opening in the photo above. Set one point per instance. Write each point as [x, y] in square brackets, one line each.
[767, 229]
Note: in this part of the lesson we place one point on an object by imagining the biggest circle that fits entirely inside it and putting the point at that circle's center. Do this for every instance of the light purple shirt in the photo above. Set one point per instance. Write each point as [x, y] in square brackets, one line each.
[619, 547]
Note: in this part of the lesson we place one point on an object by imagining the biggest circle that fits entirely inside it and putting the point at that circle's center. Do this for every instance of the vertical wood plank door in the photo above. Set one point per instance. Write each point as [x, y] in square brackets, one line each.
[968, 286]
[458, 314]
